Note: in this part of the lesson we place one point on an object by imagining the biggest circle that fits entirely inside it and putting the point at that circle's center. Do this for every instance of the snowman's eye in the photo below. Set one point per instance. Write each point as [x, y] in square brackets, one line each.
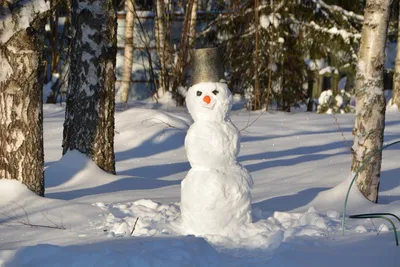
[215, 92]
[198, 93]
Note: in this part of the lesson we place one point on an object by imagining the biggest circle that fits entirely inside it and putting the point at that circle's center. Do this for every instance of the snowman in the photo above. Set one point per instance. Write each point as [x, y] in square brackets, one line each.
[215, 196]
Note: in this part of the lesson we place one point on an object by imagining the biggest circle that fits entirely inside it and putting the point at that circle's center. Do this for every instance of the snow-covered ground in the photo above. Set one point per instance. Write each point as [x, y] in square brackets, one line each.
[300, 164]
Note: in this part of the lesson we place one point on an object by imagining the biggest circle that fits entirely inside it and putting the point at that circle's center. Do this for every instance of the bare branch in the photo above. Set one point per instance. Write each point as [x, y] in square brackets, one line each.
[159, 121]
[134, 226]
[340, 129]
[25, 221]
[251, 123]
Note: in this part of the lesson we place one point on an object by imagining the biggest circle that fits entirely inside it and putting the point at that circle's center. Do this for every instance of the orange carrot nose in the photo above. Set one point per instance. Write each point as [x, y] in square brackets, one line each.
[207, 99]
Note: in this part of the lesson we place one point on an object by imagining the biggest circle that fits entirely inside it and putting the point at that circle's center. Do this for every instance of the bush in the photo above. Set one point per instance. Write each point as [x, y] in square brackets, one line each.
[329, 103]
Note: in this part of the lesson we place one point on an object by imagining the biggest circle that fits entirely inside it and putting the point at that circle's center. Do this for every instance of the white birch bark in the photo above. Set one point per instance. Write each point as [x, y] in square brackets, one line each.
[21, 82]
[128, 52]
[160, 43]
[89, 113]
[370, 101]
[396, 75]
[192, 30]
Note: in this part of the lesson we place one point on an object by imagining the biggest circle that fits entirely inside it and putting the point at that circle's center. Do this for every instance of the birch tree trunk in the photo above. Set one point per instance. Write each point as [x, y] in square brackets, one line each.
[370, 100]
[128, 53]
[89, 114]
[192, 30]
[396, 75]
[160, 43]
[22, 73]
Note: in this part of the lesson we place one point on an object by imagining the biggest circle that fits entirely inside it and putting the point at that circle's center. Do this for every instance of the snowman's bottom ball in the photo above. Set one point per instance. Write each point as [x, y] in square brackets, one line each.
[216, 201]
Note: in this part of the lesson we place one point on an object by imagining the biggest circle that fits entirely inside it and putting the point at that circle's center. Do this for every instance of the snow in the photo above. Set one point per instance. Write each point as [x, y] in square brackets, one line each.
[272, 66]
[328, 70]
[272, 19]
[392, 106]
[334, 31]
[300, 165]
[390, 59]
[316, 64]
[325, 97]
[342, 83]
[339, 100]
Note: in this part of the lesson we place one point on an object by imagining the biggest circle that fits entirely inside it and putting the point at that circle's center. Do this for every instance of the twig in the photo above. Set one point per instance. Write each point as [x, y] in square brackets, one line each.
[340, 129]
[26, 221]
[146, 43]
[250, 124]
[161, 122]
[134, 226]
[326, 233]
[376, 229]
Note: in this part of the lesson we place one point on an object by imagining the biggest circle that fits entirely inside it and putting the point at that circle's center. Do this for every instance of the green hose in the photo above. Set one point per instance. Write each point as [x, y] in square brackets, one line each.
[355, 175]
[381, 216]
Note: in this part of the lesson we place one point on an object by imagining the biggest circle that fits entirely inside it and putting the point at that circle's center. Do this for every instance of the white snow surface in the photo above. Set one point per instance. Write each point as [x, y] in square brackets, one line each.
[300, 165]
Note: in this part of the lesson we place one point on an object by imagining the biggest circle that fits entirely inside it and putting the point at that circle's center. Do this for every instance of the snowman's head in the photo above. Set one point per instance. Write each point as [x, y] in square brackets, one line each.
[209, 101]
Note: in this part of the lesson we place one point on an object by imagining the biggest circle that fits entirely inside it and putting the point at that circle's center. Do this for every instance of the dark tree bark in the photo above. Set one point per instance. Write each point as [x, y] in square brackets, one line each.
[21, 83]
[89, 115]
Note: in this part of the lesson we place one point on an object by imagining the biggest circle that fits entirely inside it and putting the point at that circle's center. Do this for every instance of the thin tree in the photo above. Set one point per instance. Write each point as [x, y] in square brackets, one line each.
[257, 86]
[128, 52]
[192, 30]
[21, 83]
[178, 72]
[396, 75]
[370, 100]
[89, 114]
[159, 27]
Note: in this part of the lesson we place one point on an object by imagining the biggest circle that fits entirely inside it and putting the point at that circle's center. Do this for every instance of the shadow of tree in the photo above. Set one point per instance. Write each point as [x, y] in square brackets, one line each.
[390, 179]
[157, 171]
[289, 202]
[303, 150]
[288, 162]
[173, 139]
[123, 184]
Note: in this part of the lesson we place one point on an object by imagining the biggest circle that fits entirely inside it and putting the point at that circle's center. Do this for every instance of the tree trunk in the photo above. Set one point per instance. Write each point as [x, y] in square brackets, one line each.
[160, 43]
[89, 114]
[257, 89]
[396, 75]
[128, 53]
[310, 104]
[370, 100]
[178, 79]
[21, 81]
[268, 89]
[192, 30]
